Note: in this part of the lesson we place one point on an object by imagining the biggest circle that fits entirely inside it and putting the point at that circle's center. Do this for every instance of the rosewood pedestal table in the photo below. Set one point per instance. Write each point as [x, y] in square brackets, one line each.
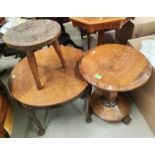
[60, 85]
[31, 36]
[113, 69]
[100, 24]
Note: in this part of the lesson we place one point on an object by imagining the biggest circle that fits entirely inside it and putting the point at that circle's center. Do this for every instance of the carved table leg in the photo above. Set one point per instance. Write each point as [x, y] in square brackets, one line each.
[86, 97]
[100, 39]
[87, 110]
[34, 69]
[59, 52]
[88, 40]
[30, 112]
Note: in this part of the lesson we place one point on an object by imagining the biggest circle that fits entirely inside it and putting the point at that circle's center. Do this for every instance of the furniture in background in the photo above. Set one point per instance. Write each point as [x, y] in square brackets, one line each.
[2, 21]
[113, 69]
[60, 85]
[100, 24]
[6, 114]
[139, 27]
[64, 37]
[31, 36]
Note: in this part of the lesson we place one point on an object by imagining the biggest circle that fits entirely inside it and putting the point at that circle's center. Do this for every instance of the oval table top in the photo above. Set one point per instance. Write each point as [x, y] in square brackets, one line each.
[115, 67]
[60, 85]
[32, 34]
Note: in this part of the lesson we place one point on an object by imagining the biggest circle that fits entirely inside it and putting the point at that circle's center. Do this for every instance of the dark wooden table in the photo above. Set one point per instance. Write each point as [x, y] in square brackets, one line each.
[31, 36]
[113, 69]
[100, 24]
[60, 85]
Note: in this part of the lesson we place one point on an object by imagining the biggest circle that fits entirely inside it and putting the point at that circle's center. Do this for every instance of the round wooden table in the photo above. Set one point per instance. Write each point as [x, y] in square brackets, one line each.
[59, 85]
[113, 69]
[31, 36]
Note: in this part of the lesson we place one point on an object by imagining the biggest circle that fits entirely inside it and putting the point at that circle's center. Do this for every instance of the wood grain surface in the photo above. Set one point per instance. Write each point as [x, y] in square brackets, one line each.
[59, 84]
[115, 67]
[96, 20]
[32, 35]
[92, 24]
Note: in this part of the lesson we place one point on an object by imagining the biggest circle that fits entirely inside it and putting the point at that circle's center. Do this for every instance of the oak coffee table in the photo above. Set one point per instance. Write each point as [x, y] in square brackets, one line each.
[31, 36]
[113, 69]
[60, 85]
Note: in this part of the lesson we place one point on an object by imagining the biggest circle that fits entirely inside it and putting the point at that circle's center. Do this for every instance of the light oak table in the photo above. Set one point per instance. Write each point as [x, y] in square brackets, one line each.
[59, 85]
[31, 36]
[100, 24]
[113, 69]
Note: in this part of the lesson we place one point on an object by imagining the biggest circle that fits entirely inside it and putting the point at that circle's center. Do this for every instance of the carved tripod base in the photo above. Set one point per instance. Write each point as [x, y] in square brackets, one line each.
[109, 106]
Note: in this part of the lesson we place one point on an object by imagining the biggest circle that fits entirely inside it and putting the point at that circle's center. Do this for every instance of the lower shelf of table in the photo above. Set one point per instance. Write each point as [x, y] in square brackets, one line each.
[115, 113]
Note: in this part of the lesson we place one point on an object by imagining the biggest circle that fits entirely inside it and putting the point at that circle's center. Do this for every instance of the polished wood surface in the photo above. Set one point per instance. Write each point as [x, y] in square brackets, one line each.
[92, 24]
[59, 84]
[115, 67]
[100, 24]
[32, 35]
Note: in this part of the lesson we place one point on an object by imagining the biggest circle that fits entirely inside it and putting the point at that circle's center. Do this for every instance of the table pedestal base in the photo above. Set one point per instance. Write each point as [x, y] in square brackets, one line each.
[113, 110]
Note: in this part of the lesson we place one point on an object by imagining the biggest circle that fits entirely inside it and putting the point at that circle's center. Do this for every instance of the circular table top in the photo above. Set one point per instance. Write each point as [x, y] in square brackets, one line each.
[115, 67]
[32, 35]
[60, 85]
